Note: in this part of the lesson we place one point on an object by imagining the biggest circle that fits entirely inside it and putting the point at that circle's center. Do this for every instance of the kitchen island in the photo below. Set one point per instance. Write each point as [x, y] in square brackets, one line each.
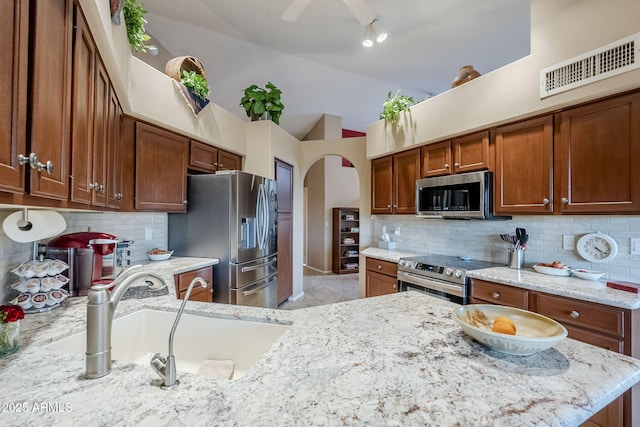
[392, 360]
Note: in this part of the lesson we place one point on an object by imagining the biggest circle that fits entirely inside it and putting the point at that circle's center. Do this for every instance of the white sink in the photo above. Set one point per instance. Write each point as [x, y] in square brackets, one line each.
[137, 336]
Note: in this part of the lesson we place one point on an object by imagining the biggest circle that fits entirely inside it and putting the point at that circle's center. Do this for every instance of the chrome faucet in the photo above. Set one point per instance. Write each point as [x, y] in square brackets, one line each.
[100, 309]
[165, 367]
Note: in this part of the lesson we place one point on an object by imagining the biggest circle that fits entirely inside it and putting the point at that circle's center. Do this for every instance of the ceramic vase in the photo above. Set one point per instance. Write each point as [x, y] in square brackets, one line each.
[9, 333]
[466, 73]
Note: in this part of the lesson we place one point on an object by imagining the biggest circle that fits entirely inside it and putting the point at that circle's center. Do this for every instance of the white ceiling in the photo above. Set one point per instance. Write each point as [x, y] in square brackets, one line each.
[319, 61]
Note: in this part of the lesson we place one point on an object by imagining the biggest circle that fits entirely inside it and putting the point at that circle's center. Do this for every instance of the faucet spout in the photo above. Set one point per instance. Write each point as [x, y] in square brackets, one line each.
[100, 309]
[166, 367]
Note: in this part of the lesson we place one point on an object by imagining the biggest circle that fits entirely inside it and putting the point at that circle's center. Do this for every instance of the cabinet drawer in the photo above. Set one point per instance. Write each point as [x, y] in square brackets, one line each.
[499, 294]
[384, 267]
[595, 317]
[183, 280]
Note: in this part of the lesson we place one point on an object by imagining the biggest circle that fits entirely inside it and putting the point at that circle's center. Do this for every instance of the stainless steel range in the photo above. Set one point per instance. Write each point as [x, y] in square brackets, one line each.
[441, 276]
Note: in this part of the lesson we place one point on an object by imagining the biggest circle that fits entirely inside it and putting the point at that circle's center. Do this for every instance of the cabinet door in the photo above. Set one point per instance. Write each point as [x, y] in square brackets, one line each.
[598, 157]
[524, 167]
[471, 152]
[203, 157]
[380, 284]
[160, 169]
[436, 159]
[284, 183]
[100, 135]
[51, 96]
[381, 183]
[115, 156]
[198, 293]
[406, 170]
[82, 92]
[229, 161]
[14, 32]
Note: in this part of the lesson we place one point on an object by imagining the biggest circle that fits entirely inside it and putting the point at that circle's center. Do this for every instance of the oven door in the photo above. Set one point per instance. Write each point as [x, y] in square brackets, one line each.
[440, 289]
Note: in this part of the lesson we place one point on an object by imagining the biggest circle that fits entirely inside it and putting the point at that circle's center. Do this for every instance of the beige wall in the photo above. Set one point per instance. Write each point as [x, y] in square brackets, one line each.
[559, 30]
[315, 184]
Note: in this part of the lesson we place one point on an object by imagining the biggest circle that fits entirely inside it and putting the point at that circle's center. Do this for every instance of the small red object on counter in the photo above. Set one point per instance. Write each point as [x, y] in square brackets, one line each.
[625, 286]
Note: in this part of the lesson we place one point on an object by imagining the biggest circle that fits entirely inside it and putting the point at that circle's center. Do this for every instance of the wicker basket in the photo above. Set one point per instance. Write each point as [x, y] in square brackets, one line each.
[174, 67]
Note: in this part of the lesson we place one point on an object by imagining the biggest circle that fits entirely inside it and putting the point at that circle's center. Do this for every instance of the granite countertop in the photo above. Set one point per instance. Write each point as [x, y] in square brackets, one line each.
[586, 290]
[392, 360]
[385, 254]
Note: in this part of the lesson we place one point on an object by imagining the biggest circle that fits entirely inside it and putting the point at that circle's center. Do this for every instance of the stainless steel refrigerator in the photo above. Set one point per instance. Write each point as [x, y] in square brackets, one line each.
[232, 215]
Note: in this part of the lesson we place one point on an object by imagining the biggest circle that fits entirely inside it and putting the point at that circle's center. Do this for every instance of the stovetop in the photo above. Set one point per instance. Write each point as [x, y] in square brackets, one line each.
[444, 267]
[462, 263]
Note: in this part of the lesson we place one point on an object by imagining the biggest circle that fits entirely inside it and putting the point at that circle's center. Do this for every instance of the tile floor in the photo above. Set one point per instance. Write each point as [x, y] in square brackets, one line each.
[320, 289]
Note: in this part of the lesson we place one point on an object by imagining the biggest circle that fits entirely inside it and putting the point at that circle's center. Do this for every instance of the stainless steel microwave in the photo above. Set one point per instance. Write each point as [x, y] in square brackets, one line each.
[461, 196]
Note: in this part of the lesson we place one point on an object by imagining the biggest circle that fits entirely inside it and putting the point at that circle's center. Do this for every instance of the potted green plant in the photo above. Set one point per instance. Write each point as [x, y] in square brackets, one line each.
[258, 102]
[134, 19]
[392, 107]
[196, 83]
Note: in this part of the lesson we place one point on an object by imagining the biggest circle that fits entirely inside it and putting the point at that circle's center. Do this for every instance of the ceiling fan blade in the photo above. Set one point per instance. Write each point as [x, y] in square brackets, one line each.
[294, 10]
[361, 11]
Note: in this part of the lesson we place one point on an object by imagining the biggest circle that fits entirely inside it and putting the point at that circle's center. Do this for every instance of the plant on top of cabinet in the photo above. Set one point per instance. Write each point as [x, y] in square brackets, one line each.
[196, 83]
[134, 19]
[392, 107]
[258, 101]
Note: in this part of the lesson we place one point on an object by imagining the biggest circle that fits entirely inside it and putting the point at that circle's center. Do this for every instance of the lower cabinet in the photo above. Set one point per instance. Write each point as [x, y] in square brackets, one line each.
[597, 324]
[183, 280]
[381, 277]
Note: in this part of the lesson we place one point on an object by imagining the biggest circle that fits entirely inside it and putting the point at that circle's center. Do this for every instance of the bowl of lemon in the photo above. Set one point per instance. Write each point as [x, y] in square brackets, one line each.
[509, 330]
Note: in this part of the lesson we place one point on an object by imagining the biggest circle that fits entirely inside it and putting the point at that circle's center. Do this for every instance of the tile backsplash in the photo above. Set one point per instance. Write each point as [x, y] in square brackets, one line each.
[481, 239]
[129, 226]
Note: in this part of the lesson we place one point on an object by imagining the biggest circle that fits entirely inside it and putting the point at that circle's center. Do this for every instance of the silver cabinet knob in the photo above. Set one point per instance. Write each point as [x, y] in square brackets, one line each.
[24, 160]
[94, 186]
[495, 295]
[446, 165]
[395, 206]
[220, 166]
[456, 164]
[379, 267]
[184, 202]
[565, 201]
[46, 167]
[574, 314]
[545, 201]
[394, 286]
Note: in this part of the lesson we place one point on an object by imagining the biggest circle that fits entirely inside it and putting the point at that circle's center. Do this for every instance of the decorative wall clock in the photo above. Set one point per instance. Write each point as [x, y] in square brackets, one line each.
[597, 247]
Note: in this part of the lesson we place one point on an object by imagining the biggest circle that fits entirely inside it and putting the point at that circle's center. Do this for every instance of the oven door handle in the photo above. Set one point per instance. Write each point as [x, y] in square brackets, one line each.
[436, 285]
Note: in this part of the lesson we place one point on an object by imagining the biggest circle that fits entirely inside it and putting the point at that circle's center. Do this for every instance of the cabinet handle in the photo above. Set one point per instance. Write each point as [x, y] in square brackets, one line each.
[446, 165]
[456, 164]
[221, 166]
[565, 201]
[495, 295]
[101, 188]
[545, 201]
[94, 186]
[395, 206]
[184, 202]
[394, 286]
[379, 267]
[24, 160]
[574, 314]
[45, 166]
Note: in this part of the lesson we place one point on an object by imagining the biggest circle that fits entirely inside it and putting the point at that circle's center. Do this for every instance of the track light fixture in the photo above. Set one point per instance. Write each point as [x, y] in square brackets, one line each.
[374, 32]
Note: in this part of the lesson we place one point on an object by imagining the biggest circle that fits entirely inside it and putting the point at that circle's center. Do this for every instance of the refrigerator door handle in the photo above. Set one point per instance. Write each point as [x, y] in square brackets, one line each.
[258, 266]
[267, 283]
[263, 215]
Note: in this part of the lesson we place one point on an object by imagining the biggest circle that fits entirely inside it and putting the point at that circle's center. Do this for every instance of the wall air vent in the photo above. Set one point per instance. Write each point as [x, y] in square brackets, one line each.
[607, 61]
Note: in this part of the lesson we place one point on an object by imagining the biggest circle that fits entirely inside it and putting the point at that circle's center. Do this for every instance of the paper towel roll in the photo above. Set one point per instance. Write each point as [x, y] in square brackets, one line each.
[44, 224]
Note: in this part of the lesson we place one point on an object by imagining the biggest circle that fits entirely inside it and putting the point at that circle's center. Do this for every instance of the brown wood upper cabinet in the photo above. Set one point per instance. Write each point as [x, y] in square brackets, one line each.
[49, 67]
[207, 158]
[14, 32]
[597, 157]
[161, 159]
[464, 154]
[524, 167]
[393, 183]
